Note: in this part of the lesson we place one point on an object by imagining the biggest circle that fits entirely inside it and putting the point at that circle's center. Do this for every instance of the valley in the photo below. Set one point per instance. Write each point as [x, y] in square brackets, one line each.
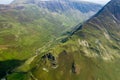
[59, 41]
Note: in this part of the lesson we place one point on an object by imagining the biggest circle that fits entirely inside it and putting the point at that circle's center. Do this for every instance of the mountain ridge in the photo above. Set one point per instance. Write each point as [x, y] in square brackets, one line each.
[26, 30]
[90, 53]
[64, 5]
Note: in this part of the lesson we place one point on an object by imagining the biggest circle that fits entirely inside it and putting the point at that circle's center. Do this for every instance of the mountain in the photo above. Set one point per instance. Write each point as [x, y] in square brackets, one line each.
[62, 5]
[28, 28]
[91, 52]
[71, 11]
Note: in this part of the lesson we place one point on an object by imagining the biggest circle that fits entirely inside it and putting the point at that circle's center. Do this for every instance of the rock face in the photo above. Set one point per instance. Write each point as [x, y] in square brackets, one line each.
[115, 9]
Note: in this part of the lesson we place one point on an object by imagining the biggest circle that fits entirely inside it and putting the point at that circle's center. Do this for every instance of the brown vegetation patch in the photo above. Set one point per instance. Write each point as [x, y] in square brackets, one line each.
[9, 38]
[4, 47]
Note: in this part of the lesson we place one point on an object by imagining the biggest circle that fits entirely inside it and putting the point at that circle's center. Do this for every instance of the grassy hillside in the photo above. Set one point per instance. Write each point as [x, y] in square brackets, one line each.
[26, 27]
[92, 52]
[26, 31]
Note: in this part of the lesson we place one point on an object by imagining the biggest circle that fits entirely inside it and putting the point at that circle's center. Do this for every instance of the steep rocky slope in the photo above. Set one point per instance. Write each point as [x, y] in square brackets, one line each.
[92, 52]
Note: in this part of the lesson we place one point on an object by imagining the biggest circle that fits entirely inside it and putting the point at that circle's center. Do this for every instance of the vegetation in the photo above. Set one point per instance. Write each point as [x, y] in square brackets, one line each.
[89, 52]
